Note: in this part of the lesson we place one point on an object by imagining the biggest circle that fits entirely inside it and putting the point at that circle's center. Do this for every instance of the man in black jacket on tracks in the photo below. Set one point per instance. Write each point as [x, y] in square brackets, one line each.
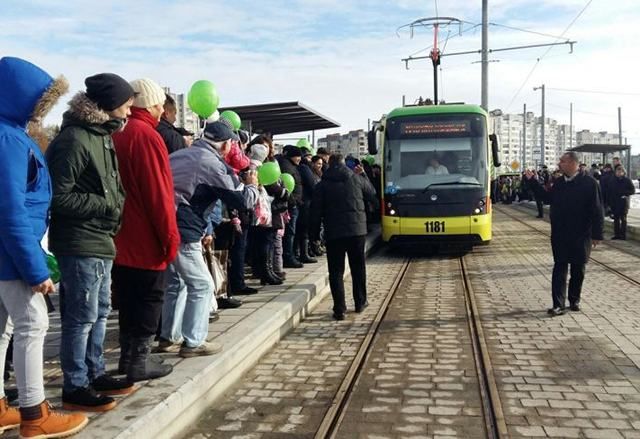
[339, 202]
[576, 226]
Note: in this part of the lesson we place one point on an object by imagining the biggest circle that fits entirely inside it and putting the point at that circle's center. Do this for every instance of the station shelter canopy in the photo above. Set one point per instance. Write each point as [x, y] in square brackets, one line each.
[604, 149]
[281, 118]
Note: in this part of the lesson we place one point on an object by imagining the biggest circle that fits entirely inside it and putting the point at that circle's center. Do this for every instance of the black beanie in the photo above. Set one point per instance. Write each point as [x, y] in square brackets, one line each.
[292, 151]
[108, 90]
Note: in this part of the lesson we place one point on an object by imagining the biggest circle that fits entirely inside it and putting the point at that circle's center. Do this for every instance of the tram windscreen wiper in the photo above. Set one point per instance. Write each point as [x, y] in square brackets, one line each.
[451, 183]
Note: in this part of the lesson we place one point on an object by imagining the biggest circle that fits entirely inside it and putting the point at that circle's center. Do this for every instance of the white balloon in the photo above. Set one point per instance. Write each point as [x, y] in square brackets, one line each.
[214, 117]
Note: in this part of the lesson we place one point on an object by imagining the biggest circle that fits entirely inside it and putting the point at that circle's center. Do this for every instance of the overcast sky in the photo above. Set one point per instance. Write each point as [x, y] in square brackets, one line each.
[342, 57]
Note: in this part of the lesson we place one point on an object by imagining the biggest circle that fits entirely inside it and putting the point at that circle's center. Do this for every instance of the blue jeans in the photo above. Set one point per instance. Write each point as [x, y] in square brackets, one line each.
[187, 276]
[290, 235]
[85, 303]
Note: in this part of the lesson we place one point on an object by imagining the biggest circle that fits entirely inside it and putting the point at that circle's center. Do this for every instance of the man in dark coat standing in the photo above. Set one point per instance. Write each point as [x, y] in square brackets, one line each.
[576, 225]
[339, 203]
[621, 188]
[289, 162]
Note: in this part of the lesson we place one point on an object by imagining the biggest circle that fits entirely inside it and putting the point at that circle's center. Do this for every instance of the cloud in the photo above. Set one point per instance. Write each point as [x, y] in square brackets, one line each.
[339, 57]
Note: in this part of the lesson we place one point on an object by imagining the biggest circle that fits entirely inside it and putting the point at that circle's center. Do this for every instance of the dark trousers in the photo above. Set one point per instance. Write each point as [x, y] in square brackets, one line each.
[620, 226]
[140, 294]
[290, 235]
[236, 269]
[353, 246]
[559, 283]
[540, 207]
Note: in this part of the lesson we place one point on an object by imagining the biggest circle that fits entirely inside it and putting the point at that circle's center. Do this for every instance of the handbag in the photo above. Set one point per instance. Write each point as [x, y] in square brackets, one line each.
[263, 209]
[218, 274]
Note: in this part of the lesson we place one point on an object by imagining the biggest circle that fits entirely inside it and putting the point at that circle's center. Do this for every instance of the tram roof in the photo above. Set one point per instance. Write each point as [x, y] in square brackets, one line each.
[416, 110]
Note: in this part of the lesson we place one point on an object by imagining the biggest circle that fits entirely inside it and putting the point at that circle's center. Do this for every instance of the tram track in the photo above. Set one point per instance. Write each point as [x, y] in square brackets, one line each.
[494, 421]
[591, 258]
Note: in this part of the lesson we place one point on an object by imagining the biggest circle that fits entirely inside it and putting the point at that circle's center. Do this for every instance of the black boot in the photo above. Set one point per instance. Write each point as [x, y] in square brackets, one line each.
[125, 354]
[315, 249]
[291, 262]
[142, 366]
[270, 270]
[304, 253]
[268, 278]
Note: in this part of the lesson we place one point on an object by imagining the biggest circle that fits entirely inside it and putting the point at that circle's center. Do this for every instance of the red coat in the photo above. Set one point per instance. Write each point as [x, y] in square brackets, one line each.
[149, 236]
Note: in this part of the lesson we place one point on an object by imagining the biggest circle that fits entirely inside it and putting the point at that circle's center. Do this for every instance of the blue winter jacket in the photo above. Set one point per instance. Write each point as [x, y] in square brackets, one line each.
[24, 179]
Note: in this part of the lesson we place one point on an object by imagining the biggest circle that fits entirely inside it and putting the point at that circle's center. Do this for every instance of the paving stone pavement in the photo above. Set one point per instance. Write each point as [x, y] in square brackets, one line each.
[287, 393]
[571, 376]
[420, 380]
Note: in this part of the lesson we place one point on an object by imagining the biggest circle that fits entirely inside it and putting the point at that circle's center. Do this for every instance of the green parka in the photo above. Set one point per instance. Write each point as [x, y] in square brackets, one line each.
[87, 192]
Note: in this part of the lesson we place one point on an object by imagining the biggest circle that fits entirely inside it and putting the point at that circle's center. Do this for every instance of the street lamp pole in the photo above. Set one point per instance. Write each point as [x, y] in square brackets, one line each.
[542, 142]
[485, 56]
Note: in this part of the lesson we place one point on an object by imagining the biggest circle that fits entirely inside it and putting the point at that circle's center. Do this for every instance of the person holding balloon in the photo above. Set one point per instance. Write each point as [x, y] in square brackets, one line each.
[201, 178]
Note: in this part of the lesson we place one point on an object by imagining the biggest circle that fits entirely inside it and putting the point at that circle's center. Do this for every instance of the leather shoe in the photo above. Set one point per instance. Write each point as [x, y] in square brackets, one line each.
[338, 316]
[246, 291]
[575, 306]
[361, 308]
[553, 312]
[228, 302]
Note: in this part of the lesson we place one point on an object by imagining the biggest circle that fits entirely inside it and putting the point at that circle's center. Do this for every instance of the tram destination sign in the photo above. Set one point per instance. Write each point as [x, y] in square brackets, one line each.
[436, 128]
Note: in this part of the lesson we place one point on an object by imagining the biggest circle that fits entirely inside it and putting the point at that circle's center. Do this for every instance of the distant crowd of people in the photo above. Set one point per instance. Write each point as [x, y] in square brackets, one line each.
[132, 206]
[615, 186]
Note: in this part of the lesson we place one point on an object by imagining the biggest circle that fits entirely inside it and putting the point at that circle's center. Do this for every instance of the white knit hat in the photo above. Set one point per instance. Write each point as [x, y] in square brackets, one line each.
[148, 93]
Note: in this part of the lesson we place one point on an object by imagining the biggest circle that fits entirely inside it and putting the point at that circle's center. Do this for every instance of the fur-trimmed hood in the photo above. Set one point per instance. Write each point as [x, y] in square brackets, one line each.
[27, 93]
[83, 110]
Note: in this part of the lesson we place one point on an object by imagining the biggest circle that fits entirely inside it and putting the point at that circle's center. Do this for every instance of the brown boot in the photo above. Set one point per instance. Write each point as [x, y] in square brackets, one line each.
[9, 416]
[39, 422]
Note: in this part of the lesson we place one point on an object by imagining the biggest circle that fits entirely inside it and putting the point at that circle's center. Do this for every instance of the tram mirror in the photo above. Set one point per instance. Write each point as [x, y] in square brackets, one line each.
[495, 149]
[372, 140]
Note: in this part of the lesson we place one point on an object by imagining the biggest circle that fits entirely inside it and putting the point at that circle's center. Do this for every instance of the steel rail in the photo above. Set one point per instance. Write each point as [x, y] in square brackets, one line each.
[495, 423]
[596, 261]
[335, 413]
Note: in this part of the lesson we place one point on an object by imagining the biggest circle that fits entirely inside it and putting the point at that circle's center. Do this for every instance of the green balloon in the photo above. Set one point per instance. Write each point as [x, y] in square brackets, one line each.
[268, 173]
[288, 181]
[203, 98]
[54, 270]
[232, 117]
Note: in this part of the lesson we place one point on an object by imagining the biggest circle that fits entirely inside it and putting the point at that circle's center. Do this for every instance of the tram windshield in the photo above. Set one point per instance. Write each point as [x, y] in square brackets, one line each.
[436, 150]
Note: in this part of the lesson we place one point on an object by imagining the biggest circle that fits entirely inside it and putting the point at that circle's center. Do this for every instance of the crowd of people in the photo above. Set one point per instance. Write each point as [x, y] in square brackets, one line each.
[131, 203]
[615, 186]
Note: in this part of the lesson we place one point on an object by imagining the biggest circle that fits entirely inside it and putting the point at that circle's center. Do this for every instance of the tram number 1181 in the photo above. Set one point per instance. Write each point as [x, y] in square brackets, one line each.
[435, 226]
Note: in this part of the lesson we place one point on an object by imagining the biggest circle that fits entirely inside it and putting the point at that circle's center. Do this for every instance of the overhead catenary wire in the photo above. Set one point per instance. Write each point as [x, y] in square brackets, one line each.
[535, 66]
[571, 90]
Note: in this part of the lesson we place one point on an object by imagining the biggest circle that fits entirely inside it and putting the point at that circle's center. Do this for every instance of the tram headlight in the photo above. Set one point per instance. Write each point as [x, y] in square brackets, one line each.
[480, 207]
[392, 212]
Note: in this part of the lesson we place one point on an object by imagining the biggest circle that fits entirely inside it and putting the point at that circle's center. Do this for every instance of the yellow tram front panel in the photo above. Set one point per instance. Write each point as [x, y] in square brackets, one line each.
[436, 226]
[476, 226]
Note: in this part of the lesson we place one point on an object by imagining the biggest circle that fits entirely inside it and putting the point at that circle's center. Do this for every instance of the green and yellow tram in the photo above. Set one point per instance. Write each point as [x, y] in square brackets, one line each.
[436, 161]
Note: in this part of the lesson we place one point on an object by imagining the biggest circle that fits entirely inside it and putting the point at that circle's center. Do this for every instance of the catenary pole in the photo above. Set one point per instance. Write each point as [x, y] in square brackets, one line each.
[485, 56]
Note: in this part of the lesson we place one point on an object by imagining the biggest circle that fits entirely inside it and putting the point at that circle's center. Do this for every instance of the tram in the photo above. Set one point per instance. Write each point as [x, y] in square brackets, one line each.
[436, 162]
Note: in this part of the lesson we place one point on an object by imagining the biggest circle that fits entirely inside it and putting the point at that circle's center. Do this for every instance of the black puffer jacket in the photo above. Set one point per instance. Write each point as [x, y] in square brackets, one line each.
[288, 167]
[339, 203]
[620, 189]
[171, 136]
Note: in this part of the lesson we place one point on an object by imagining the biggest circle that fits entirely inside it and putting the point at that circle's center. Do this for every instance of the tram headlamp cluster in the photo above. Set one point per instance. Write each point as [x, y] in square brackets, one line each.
[483, 206]
[389, 209]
